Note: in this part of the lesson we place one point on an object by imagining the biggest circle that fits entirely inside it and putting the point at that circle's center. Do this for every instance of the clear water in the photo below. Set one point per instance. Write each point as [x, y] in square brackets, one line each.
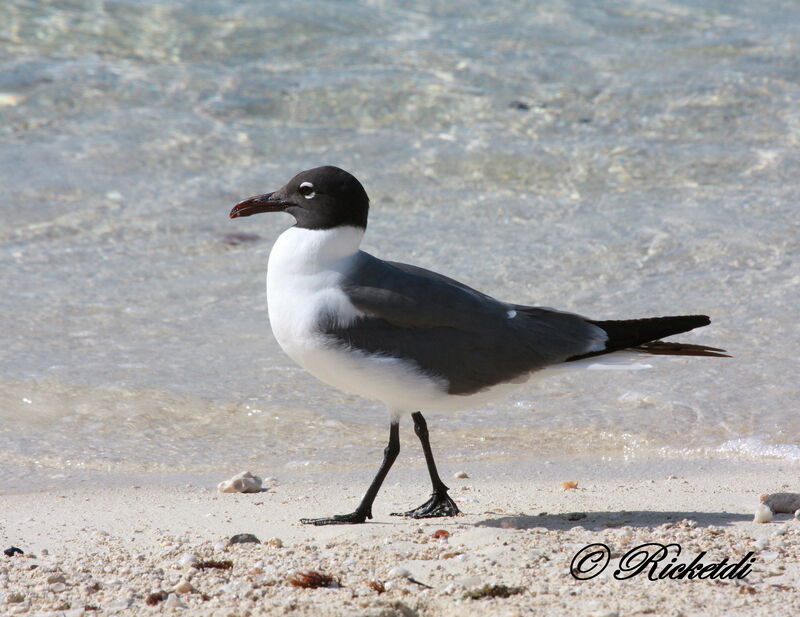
[617, 159]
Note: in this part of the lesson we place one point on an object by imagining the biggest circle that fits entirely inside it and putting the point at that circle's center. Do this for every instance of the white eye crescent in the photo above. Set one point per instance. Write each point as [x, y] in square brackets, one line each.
[307, 190]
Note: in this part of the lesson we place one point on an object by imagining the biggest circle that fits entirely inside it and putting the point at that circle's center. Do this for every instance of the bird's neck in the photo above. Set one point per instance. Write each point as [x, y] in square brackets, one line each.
[311, 250]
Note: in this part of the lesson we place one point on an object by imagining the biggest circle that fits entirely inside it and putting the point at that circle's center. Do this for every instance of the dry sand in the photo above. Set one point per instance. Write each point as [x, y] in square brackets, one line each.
[97, 551]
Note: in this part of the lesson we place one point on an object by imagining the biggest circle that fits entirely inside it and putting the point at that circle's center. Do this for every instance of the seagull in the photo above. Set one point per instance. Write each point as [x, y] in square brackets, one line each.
[412, 338]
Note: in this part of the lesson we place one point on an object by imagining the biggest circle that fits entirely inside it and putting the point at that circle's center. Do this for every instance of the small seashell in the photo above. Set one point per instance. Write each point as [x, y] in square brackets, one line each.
[275, 542]
[183, 586]
[763, 514]
[797, 514]
[244, 482]
[761, 544]
[187, 560]
[441, 534]
[569, 485]
[460, 475]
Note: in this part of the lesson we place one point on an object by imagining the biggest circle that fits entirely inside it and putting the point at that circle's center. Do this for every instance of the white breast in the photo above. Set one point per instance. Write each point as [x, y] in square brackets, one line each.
[303, 276]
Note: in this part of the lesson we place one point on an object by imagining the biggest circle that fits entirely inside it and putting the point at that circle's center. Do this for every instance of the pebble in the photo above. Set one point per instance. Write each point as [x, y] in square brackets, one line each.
[761, 544]
[187, 560]
[14, 597]
[244, 482]
[763, 514]
[460, 475]
[173, 601]
[797, 514]
[781, 503]
[244, 538]
[13, 550]
[275, 542]
[184, 587]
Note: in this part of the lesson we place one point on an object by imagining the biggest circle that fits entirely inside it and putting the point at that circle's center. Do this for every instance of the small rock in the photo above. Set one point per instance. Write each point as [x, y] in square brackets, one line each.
[187, 560]
[14, 598]
[173, 601]
[761, 544]
[13, 550]
[244, 538]
[763, 514]
[460, 475]
[519, 105]
[275, 542]
[56, 578]
[244, 482]
[184, 587]
[781, 503]
[58, 587]
[797, 514]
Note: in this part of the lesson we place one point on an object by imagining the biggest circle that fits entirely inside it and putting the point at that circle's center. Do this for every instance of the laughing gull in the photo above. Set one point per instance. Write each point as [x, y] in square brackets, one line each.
[411, 338]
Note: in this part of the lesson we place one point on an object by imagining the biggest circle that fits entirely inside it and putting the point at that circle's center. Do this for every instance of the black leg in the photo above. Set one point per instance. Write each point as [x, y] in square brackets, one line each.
[364, 509]
[440, 503]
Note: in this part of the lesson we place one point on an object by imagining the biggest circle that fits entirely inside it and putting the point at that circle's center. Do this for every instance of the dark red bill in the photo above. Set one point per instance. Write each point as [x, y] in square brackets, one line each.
[259, 203]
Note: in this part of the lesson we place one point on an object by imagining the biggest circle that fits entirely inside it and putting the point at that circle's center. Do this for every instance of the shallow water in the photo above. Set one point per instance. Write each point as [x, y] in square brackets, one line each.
[616, 159]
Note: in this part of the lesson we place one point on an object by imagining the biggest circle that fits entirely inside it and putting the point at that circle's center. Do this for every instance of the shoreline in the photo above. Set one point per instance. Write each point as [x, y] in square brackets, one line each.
[115, 546]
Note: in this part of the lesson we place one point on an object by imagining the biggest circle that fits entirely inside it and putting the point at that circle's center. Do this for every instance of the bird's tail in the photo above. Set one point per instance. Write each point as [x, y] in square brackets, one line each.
[645, 335]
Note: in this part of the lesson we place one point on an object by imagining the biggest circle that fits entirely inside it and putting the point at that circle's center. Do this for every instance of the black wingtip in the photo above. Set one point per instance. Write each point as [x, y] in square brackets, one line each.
[635, 333]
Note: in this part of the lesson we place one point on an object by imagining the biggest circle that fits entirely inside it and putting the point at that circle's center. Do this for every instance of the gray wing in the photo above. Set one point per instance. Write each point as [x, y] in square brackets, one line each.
[452, 331]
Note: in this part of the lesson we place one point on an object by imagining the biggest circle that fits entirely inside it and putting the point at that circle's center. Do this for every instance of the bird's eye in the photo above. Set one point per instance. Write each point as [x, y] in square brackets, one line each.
[307, 190]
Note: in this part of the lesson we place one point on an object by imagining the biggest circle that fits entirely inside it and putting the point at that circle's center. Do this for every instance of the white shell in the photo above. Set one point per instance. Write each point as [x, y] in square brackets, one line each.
[244, 482]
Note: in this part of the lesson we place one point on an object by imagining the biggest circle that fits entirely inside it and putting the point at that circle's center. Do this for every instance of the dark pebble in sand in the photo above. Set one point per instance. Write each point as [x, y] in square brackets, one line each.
[237, 238]
[244, 538]
[13, 550]
[519, 105]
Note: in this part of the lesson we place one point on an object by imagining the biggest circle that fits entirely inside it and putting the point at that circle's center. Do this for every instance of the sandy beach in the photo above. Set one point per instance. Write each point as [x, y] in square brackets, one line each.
[136, 549]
